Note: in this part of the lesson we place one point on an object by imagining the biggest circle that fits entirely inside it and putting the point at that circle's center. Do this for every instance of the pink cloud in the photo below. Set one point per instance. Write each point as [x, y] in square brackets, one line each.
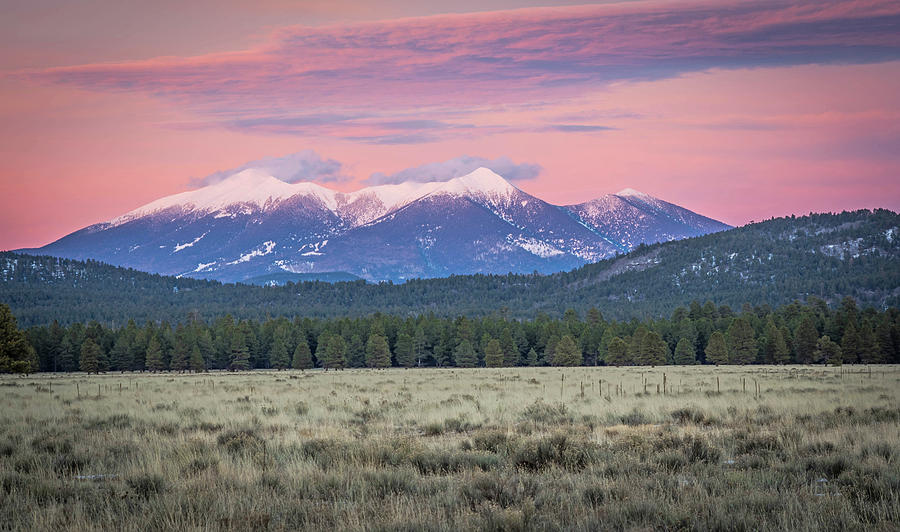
[427, 64]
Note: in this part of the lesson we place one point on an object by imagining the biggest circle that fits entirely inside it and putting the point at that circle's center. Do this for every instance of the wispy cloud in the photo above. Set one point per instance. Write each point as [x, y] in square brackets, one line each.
[323, 81]
[579, 128]
[306, 165]
[459, 166]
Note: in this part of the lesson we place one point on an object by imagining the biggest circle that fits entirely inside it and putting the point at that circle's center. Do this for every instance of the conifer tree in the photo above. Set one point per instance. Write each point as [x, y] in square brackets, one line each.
[71, 347]
[636, 345]
[531, 359]
[154, 359]
[805, 341]
[617, 352]
[684, 352]
[197, 364]
[884, 341]
[420, 346]
[850, 343]
[278, 354]
[465, 355]
[716, 349]
[605, 339]
[120, 355]
[404, 351]
[653, 350]
[335, 352]
[378, 354]
[181, 352]
[302, 355]
[828, 352]
[493, 354]
[240, 354]
[356, 352]
[16, 354]
[868, 346]
[567, 352]
[742, 346]
[510, 347]
[89, 362]
[56, 335]
[775, 350]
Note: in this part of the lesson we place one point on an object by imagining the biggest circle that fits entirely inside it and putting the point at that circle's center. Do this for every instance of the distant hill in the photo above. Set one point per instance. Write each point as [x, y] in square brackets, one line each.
[773, 262]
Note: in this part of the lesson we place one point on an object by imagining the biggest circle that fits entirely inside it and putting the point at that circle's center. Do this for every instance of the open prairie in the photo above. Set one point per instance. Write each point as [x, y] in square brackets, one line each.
[739, 448]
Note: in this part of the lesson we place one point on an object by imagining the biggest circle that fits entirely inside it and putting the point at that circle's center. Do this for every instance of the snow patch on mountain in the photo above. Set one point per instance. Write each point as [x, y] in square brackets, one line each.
[313, 249]
[268, 246]
[204, 266]
[179, 247]
[534, 246]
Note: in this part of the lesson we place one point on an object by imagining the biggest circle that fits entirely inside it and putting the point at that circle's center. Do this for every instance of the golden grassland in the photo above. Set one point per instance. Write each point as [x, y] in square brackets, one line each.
[730, 448]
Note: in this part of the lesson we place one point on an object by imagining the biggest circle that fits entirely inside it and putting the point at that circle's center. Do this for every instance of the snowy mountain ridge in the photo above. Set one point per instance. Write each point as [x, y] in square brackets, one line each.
[253, 187]
[252, 224]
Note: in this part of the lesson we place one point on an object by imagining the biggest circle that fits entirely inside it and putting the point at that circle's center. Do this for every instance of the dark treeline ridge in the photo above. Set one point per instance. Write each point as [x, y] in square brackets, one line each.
[830, 256]
[795, 333]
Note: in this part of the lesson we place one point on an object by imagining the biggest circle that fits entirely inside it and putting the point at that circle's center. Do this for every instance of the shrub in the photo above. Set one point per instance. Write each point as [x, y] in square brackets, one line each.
[542, 413]
[240, 440]
[557, 450]
[146, 485]
[384, 483]
[492, 441]
[634, 418]
[51, 443]
[444, 462]
[70, 462]
[693, 415]
[757, 443]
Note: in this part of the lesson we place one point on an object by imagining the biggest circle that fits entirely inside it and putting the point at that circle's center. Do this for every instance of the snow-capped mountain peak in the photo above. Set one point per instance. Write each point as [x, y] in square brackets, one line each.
[482, 181]
[250, 186]
[632, 193]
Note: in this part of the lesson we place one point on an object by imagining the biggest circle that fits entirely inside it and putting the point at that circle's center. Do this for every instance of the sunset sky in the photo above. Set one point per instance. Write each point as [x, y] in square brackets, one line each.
[737, 110]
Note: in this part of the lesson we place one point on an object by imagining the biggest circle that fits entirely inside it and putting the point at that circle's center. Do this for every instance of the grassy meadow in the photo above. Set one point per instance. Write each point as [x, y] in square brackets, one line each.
[721, 448]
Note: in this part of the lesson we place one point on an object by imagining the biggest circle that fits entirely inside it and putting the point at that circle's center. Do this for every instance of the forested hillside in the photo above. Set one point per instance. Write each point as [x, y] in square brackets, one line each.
[829, 256]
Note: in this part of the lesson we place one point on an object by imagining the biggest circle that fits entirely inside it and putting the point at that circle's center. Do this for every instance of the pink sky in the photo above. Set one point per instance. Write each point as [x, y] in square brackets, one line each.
[737, 110]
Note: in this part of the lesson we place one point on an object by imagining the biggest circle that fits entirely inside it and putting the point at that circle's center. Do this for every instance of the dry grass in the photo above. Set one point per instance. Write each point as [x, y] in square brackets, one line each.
[454, 449]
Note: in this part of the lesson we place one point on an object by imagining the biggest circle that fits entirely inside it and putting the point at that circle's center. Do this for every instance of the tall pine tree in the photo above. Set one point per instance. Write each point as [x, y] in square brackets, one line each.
[717, 349]
[89, 361]
[154, 360]
[742, 346]
[567, 352]
[684, 352]
[240, 353]
[378, 354]
[302, 356]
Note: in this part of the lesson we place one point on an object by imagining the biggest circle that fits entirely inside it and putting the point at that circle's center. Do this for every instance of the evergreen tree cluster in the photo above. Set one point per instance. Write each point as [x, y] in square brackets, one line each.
[806, 333]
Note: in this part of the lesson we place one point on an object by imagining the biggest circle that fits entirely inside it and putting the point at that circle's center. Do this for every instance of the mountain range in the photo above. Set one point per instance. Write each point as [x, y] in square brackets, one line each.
[253, 227]
[775, 262]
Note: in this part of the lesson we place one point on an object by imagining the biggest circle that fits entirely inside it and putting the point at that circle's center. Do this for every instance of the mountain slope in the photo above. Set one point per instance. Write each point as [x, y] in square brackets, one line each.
[630, 217]
[774, 262]
[252, 224]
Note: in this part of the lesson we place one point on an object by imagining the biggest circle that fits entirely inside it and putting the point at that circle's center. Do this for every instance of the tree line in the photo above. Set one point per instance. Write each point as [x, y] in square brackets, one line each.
[804, 333]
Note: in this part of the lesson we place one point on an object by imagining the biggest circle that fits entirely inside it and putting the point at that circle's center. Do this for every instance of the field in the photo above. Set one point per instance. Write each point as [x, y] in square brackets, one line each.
[737, 448]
